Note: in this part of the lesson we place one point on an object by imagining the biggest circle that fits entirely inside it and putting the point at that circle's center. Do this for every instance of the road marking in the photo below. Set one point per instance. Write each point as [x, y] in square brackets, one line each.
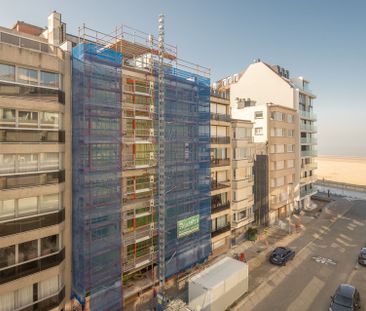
[324, 260]
[307, 296]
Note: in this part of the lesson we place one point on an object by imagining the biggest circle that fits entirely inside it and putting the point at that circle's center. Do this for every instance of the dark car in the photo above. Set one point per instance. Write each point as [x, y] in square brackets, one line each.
[281, 255]
[346, 298]
[362, 257]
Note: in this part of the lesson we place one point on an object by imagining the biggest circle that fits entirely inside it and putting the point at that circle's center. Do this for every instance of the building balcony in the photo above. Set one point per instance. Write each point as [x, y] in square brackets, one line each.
[309, 153]
[307, 192]
[216, 208]
[215, 185]
[308, 141]
[221, 230]
[217, 93]
[308, 128]
[131, 262]
[309, 166]
[239, 184]
[220, 162]
[30, 267]
[220, 140]
[220, 117]
[131, 235]
[308, 115]
[31, 136]
[242, 222]
[308, 179]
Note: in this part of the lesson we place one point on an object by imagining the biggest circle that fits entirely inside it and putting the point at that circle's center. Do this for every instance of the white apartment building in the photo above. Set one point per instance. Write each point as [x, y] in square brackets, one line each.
[261, 86]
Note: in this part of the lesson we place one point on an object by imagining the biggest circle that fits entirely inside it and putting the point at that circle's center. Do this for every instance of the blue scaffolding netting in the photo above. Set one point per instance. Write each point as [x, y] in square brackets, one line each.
[96, 147]
[187, 169]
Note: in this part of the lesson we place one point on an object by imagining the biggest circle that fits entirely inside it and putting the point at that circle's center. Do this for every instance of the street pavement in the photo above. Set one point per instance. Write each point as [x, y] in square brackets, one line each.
[334, 240]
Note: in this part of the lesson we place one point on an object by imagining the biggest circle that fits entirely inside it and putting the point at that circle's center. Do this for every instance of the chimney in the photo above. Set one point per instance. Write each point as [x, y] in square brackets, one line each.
[56, 29]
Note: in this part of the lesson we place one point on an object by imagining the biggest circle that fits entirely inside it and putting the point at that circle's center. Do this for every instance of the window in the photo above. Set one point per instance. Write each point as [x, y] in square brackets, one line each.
[7, 301]
[258, 115]
[48, 287]
[27, 162]
[242, 153]
[27, 251]
[7, 209]
[24, 296]
[290, 133]
[50, 161]
[258, 131]
[277, 148]
[27, 206]
[278, 116]
[50, 202]
[49, 119]
[290, 163]
[242, 214]
[7, 116]
[242, 133]
[7, 72]
[27, 76]
[49, 245]
[49, 79]
[221, 222]
[280, 165]
[290, 118]
[7, 256]
[28, 117]
[290, 148]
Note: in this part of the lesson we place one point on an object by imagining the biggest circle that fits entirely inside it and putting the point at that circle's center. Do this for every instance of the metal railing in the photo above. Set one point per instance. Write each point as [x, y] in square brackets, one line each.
[220, 140]
[308, 115]
[219, 185]
[309, 153]
[309, 140]
[216, 208]
[220, 162]
[308, 127]
[220, 117]
[221, 230]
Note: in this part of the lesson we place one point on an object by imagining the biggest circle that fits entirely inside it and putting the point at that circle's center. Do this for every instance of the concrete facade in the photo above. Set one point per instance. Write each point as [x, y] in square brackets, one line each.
[35, 170]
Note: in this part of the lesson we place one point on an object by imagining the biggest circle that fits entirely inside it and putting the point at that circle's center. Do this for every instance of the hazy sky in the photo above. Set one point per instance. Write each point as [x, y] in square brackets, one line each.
[322, 40]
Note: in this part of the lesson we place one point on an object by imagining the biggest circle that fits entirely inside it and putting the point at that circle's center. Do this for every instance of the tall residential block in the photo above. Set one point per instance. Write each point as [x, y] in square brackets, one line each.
[35, 167]
[221, 159]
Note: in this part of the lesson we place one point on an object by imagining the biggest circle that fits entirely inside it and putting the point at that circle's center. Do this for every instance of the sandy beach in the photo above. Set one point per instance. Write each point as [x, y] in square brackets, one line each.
[350, 170]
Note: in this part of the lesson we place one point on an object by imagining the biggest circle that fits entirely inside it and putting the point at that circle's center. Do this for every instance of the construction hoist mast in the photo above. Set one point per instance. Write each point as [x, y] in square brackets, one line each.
[161, 162]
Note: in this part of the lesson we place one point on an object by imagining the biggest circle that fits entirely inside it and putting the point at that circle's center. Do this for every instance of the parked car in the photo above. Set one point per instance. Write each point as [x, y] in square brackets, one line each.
[281, 255]
[346, 298]
[362, 256]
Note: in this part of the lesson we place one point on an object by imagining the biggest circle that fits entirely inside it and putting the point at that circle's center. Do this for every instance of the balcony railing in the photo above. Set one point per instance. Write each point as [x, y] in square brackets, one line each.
[305, 192]
[220, 117]
[309, 153]
[219, 207]
[31, 267]
[220, 162]
[220, 140]
[221, 230]
[219, 185]
[308, 179]
[309, 166]
[308, 115]
[308, 128]
[308, 140]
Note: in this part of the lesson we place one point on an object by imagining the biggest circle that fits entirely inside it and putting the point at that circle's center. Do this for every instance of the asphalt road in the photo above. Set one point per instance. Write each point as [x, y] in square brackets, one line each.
[307, 284]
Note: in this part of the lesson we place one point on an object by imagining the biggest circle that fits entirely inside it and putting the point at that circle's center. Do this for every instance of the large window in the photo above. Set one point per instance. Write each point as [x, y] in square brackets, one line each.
[7, 209]
[27, 251]
[27, 76]
[7, 117]
[27, 118]
[27, 206]
[7, 256]
[49, 245]
[49, 119]
[7, 72]
[49, 79]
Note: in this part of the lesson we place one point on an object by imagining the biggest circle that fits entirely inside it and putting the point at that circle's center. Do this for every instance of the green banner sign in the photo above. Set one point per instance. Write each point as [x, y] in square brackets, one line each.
[188, 226]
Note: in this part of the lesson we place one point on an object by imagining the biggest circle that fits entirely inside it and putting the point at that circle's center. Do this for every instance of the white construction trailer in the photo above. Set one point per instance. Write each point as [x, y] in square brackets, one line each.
[218, 286]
